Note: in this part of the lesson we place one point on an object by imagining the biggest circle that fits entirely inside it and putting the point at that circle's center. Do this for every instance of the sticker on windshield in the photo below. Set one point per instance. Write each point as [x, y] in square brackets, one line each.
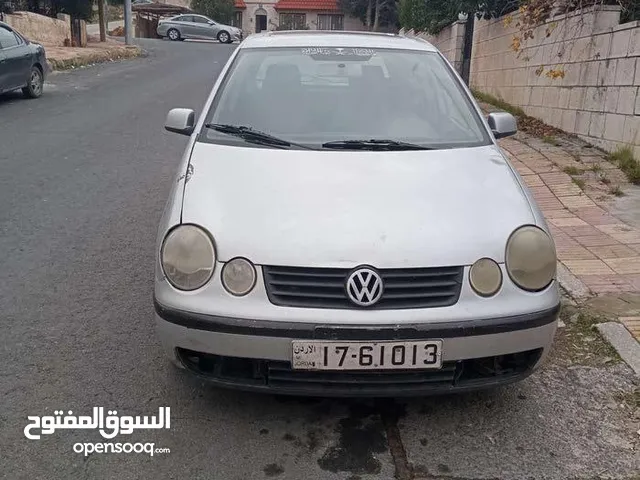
[338, 52]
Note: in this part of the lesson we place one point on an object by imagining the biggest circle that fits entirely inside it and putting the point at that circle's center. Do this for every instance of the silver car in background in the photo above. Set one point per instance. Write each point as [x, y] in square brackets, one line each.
[199, 27]
[343, 222]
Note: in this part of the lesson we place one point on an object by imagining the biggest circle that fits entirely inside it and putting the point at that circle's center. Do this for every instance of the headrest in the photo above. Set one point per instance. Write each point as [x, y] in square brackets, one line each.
[373, 72]
[282, 76]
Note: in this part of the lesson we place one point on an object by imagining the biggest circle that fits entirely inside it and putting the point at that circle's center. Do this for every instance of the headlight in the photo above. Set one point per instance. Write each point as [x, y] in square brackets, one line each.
[238, 276]
[531, 258]
[485, 277]
[188, 257]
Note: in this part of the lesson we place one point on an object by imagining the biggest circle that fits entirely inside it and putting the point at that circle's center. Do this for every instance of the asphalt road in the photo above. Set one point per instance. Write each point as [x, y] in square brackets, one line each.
[84, 174]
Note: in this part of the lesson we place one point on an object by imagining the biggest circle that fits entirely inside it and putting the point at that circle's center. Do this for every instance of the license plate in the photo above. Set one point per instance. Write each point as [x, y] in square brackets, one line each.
[319, 355]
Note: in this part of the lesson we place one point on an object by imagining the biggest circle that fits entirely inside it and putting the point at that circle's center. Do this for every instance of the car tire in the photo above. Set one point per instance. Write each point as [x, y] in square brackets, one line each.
[35, 86]
[174, 35]
[224, 37]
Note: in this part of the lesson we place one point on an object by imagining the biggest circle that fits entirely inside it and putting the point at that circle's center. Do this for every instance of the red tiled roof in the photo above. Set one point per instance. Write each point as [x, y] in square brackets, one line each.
[239, 4]
[302, 5]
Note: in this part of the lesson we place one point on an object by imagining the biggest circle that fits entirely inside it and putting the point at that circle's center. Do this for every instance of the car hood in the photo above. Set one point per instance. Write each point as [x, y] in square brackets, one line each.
[347, 208]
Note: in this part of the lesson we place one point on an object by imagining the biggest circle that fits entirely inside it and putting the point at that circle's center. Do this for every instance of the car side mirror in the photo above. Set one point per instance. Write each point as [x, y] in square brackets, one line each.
[502, 124]
[180, 120]
[211, 22]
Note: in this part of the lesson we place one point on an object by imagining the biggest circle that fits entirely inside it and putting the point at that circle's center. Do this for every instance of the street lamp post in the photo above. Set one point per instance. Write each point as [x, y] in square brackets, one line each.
[128, 37]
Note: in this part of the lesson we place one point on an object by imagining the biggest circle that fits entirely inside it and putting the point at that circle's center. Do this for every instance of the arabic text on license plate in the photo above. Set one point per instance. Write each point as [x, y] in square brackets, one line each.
[319, 355]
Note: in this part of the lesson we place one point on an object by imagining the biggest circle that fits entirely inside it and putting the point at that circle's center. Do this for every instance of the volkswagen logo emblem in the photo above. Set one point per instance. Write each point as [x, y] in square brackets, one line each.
[364, 287]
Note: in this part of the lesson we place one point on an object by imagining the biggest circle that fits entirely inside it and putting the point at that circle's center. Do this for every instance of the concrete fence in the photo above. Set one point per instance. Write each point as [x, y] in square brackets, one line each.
[449, 41]
[598, 98]
[45, 30]
[600, 58]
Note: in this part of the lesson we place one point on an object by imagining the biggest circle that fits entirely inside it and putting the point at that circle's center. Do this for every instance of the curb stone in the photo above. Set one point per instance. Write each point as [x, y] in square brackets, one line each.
[626, 346]
[108, 55]
[572, 284]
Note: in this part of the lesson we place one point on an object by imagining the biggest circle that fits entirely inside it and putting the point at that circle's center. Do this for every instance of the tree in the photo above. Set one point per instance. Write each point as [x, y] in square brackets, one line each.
[101, 21]
[82, 9]
[219, 10]
[386, 14]
[358, 8]
[431, 16]
[374, 14]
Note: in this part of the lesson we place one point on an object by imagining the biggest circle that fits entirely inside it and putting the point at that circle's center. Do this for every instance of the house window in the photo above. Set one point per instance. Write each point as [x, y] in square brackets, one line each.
[330, 22]
[293, 21]
[237, 20]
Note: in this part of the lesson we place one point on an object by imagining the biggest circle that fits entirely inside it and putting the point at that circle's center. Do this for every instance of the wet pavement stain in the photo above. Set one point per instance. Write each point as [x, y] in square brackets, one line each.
[361, 436]
[273, 470]
[313, 438]
[422, 472]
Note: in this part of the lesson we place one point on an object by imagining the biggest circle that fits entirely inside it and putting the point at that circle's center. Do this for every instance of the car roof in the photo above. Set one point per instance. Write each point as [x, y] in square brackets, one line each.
[320, 38]
[188, 14]
[6, 25]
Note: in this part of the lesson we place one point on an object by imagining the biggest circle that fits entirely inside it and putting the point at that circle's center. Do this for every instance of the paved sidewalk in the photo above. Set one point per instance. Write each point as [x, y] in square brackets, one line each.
[597, 247]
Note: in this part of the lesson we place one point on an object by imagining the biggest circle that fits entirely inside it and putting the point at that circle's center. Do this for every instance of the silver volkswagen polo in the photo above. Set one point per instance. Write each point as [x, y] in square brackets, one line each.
[344, 223]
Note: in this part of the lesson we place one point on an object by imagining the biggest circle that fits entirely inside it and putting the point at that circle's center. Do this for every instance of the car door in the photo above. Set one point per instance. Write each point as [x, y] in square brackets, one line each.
[187, 26]
[16, 63]
[178, 23]
[203, 28]
[4, 72]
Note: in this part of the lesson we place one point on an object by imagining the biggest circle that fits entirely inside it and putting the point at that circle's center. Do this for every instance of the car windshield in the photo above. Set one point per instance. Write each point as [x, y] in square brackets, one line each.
[313, 96]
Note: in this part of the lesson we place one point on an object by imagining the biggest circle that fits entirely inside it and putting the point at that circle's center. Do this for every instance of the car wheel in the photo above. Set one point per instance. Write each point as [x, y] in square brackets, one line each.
[224, 37]
[173, 34]
[35, 85]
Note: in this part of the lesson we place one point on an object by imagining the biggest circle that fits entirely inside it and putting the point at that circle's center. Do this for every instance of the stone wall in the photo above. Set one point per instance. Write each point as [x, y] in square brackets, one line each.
[41, 29]
[449, 41]
[598, 97]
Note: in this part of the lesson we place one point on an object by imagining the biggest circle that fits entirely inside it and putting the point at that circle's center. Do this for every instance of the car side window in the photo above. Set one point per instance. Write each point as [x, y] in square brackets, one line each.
[187, 18]
[8, 39]
[200, 20]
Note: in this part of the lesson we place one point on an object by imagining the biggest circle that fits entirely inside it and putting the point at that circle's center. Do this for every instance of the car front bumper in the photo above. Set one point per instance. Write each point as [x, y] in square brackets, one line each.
[256, 354]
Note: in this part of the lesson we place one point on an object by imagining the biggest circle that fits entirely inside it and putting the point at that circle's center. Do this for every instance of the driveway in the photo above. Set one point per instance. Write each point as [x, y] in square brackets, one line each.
[86, 171]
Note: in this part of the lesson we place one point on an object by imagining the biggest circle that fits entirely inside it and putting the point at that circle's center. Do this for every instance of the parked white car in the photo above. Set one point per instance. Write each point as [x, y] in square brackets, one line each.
[343, 222]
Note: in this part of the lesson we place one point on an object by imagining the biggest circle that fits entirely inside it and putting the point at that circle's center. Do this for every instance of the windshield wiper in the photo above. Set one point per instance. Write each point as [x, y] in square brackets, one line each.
[373, 144]
[254, 136]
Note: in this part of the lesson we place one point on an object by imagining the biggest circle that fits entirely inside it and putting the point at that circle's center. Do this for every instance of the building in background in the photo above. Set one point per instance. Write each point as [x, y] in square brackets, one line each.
[255, 17]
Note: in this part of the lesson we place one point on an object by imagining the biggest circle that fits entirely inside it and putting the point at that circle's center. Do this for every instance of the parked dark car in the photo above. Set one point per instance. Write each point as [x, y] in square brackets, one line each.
[23, 64]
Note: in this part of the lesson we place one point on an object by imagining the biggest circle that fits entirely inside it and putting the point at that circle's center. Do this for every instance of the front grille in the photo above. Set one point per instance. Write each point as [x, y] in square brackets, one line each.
[325, 287]
[279, 376]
